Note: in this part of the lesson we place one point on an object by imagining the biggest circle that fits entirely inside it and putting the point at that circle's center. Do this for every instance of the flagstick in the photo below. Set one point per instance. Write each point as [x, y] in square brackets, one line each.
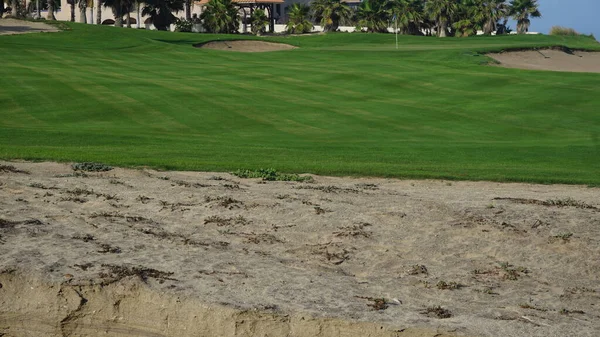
[396, 32]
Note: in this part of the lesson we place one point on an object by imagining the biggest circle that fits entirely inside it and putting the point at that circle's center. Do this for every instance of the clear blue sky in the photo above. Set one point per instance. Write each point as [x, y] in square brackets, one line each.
[582, 15]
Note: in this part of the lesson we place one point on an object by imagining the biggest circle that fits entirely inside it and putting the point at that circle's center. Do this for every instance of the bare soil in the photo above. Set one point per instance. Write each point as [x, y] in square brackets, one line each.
[12, 26]
[246, 46]
[149, 253]
[556, 60]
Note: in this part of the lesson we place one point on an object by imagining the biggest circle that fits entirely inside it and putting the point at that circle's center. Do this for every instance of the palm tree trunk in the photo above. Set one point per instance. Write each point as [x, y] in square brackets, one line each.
[188, 10]
[442, 28]
[119, 18]
[489, 27]
[91, 14]
[520, 27]
[128, 20]
[138, 15]
[50, 15]
[98, 12]
[72, 10]
[82, 14]
[13, 6]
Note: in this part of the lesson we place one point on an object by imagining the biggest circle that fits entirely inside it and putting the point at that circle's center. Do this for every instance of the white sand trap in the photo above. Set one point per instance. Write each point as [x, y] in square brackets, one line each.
[148, 253]
[246, 46]
[12, 26]
[556, 60]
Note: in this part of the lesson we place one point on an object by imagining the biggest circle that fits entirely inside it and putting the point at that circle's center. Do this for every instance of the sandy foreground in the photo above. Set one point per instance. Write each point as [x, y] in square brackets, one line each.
[556, 60]
[149, 253]
[12, 26]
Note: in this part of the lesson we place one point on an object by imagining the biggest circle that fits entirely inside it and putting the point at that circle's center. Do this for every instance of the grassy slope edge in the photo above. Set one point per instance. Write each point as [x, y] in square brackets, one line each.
[342, 104]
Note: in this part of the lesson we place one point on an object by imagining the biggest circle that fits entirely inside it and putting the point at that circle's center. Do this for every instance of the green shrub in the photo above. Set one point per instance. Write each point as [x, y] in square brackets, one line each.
[563, 31]
[183, 26]
[270, 175]
[91, 167]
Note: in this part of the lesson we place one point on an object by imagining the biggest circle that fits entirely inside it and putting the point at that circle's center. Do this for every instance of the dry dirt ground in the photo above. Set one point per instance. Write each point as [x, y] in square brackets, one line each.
[246, 46]
[12, 26]
[149, 253]
[556, 60]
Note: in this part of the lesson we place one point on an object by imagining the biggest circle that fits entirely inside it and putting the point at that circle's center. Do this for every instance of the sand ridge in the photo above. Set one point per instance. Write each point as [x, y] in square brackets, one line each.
[248, 46]
[498, 259]
[550, 59]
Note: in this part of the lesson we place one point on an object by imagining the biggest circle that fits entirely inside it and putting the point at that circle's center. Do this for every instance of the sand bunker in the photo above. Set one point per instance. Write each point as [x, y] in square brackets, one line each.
[556, 60]
[12, 26]
[246, 46]
[148, 253]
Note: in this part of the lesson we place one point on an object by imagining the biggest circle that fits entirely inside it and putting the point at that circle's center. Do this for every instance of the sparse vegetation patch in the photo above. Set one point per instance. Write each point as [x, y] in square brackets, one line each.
[270, 174]
[91, 167]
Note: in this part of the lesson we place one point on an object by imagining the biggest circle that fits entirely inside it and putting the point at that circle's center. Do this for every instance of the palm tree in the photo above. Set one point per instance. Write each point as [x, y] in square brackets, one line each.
[83, 4]
[441, 11]
[331, 13]
[14, 6]
[52, 6]
[463, 22]
[161, 12]
[117, 9]
[188, 9]
[408, 15]
[299, 21]
[465, 27]
[128, 7]
[373, 15]
[220, 16]
[522, 10]
[99, 11]
[259, 21]
[72, 3]
[487, 13]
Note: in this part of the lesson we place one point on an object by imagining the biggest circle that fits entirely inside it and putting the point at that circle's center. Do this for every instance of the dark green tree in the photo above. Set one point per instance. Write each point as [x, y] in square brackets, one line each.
[299, 19]
[373, 15]
[220, 16]
[331, 13]
[522, 11]
[161, 12]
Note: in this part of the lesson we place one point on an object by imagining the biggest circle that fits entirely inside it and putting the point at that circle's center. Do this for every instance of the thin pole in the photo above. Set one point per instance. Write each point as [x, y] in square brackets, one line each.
[396, 31]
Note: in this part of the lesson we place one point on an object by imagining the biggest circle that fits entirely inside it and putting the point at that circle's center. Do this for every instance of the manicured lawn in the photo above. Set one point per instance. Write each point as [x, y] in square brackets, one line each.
[341, 104]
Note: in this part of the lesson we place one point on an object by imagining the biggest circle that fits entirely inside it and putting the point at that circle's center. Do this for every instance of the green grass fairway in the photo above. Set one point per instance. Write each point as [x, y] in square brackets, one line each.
[341, 104]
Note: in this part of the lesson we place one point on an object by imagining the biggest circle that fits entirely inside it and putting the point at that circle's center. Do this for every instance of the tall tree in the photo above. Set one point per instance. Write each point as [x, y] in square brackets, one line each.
[299, 19]
[259, 21]
[72, 3]
[14, 6]
[52, 7]
[486, 13]
[441, 11]
[522, 10]
[188, 9]
[99, 4]
[220, 16]
[117, 9]
[408, 14]
[331, 13]
[161, 12]
[373, 15]
[128, 7]
[82, 7]
[121, 8]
